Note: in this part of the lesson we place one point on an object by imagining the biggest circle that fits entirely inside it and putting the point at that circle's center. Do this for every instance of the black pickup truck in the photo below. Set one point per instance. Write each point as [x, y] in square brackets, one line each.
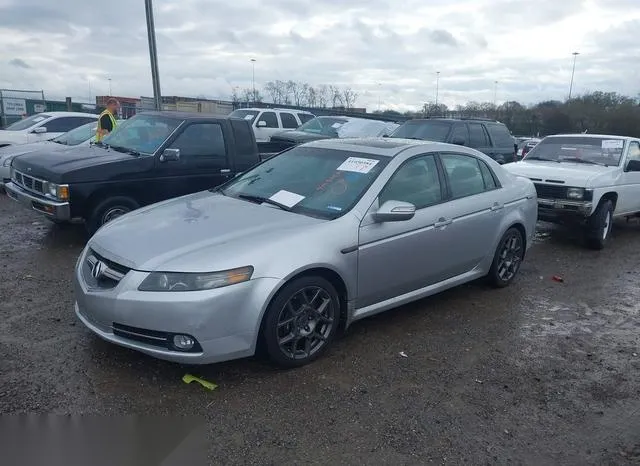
[149, 158]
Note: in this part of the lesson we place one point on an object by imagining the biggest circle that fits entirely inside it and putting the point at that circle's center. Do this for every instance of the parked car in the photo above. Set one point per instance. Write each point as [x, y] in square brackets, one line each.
[150, 157]
[527, 146]
[328, 127]
[585, 181]
[490, 137]
[303, 244]
[43, 127]
[80, 136]
[266, 122]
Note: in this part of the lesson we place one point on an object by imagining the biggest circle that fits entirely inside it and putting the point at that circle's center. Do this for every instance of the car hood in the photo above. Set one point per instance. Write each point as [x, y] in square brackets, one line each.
[15, 150]
[298, 136]
[200, 232]
[572, 174]
[51, 165]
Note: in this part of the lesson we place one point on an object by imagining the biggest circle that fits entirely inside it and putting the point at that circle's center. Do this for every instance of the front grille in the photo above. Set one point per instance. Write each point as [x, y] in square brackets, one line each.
[99, 272]
[29, 183]
[150, 337]
[548, 191]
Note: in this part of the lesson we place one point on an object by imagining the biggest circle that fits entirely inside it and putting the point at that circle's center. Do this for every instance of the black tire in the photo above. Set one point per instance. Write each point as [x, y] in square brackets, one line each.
[507, 258]
[108, 210]
[280, 322]
[599, 225]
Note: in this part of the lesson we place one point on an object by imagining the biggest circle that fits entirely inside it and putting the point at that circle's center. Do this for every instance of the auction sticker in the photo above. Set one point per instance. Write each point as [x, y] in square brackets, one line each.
[358, 165]
[612, 144]
[286, 198]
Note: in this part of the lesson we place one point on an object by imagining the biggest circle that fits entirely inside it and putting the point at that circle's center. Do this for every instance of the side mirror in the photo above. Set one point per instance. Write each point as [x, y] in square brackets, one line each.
[394, 211]
[633, 165]
[170, 155]
[40, 130]
[262, 124]
[458, 141]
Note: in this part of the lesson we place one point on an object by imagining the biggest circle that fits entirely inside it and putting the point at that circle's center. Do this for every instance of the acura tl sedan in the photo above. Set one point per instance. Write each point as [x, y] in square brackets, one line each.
[285, 255]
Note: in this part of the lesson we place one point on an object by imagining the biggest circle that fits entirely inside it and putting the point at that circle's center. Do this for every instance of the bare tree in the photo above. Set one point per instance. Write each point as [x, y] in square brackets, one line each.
[271, 89]
[235, 96]
[349, 97]
[312, 97]
[322, 95]
[335, 96]
[248, 96]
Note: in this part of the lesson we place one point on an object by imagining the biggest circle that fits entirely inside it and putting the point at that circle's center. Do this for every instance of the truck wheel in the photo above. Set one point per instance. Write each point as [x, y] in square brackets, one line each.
[110, 209]
[599, 225]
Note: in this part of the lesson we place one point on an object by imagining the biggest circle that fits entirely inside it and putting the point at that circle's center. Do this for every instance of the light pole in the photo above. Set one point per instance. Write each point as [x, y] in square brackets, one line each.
[573, 71]
[110, 94]
[379, 84]
[495, 92]
[437, 86]
[253, 77]
[153, 54]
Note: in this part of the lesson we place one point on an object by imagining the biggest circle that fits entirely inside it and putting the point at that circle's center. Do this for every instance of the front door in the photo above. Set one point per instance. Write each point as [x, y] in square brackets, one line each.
[629, 196]
[398, 257]
[265, 126]
[203, 161]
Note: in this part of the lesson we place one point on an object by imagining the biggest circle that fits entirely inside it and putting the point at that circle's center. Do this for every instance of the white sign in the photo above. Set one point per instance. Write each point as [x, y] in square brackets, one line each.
[14, 106]
[357, 164]
[612, 144]
[249, 117]
[286, 198]
[39, 108]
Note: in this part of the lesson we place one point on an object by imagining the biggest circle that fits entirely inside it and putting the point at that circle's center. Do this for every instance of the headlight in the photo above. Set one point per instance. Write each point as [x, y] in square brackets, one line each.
[7, 162]
[575, 193]
[176, 281]
[58, 191]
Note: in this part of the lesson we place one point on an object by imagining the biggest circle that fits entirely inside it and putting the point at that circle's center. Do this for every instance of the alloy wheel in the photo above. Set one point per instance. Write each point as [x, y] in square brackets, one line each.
[510, 257]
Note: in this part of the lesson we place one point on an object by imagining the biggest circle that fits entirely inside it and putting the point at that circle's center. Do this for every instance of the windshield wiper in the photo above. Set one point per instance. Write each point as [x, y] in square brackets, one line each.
[264, 200]
[125, 150]
[578, 160]
[60, 142]
[535, 157]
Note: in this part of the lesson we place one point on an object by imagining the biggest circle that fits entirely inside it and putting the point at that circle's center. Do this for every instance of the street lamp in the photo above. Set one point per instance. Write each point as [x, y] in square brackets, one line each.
[437, 86]
[153, 54]
[573, 71]
[110, 94]
[379, 84]
[253, 77]
[495, 92]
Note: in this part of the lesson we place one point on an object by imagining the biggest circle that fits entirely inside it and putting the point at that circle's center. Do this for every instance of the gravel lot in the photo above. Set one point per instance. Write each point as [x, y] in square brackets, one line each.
[539, 373]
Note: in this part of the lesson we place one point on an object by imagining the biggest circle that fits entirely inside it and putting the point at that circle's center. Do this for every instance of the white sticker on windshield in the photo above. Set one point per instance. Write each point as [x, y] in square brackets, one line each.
[357, 164]
[286, 198]
[337, 125]
[249, 117]
[38, 119]
[612, 144]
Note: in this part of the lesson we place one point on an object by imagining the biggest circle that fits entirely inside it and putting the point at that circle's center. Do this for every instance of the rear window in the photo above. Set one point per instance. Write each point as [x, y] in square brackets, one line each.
[587, 150]
[28, 122]
[427, 130]
[304, 117]
[500, 136]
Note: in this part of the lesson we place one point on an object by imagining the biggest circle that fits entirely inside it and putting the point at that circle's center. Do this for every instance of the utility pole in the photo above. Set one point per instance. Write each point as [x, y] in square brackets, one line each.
[253, 77]
[495, 92]
[573, 71]
[110, 93]
[437, 86]
[379, 84]
[153, 54]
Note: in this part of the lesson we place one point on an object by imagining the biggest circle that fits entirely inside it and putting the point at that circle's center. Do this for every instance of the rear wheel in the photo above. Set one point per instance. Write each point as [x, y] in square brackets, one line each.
[109, 210]
[599, 225]
[507, 259]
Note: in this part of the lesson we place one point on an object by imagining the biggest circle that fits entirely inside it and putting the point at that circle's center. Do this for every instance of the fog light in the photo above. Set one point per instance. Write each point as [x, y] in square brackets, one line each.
[183, 342]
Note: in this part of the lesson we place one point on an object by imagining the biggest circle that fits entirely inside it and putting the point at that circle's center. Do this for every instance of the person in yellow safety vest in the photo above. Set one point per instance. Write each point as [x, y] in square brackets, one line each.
[107, 121]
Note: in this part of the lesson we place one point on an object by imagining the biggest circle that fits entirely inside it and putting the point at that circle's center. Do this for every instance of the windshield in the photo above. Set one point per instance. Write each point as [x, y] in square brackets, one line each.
[78, 135]
[590, 150]
[321, 183]
[248, 115]
[27, 122]
[142, 133]
[327, 126]
[420, 129]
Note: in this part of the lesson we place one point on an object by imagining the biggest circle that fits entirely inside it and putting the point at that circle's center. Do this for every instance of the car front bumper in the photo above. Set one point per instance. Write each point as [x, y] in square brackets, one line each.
[55, 210]
[5, 175]
[562, 209]
[225, 322]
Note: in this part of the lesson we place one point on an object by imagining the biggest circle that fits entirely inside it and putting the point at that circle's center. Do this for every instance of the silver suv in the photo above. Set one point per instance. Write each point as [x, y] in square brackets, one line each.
[268, 121]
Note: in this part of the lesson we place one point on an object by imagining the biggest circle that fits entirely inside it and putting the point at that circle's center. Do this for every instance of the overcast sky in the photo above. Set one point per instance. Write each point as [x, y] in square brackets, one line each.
[383, 49]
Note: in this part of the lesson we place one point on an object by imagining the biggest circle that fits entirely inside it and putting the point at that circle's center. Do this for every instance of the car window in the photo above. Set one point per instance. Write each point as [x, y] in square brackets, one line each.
[461, 133]
[27, 122]
[634, 150]
[64, 124]
[248, 115]
[416, 182]
[269, 118]
[304, 117]
[201, 140]
[421, 129]
[477, 135]
[488, 176]
[288, 120]
[465, 177]
[500, 135]
[77, 135]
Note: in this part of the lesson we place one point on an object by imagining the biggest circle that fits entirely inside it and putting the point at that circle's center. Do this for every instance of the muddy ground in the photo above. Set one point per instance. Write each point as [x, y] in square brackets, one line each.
[540, 373]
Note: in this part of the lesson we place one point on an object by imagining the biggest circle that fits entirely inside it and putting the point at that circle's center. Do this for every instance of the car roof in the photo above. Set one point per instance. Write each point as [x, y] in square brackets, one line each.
[186, 115]
[388, 147]
[293, 110]
[586, 135]
[57, 114]
[454, 120]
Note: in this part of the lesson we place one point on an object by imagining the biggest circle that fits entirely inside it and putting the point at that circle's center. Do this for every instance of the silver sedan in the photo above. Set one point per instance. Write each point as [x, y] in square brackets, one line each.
[292, 251]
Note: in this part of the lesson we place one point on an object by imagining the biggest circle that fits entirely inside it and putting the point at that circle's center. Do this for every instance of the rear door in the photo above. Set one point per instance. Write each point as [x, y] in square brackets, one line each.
[288, 120]
[479, 139]
[503, 147]
[265, 126]
[203, 161]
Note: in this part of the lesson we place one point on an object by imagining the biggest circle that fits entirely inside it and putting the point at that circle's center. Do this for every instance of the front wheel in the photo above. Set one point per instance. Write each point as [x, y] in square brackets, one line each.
[108, 210]
[599, 225]
[507, 259]
[301, 322]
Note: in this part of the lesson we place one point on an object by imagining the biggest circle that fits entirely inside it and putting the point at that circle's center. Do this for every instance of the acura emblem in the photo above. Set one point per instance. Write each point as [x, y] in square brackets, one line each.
[98, 269]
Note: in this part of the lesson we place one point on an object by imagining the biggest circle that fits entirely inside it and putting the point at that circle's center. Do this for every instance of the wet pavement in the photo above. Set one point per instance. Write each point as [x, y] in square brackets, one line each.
[543, 372]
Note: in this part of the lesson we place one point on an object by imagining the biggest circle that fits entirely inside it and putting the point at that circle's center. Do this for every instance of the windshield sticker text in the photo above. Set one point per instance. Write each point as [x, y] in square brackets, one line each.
[358, 165]
[286, 198]
[249, 117]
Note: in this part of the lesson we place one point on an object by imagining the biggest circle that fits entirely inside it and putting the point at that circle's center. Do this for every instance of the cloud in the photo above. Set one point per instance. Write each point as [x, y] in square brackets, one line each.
[383, 50]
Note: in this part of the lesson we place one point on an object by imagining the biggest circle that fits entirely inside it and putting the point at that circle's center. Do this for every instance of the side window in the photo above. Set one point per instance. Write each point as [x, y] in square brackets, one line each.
[201, 140]
[460, 133]
[288, 120]
[488, 176]
[64, 124]
[465, 177]
[500, 135]
[634, 151]
[304, 117]
[269, 118]
[477, 135]
[416, 181]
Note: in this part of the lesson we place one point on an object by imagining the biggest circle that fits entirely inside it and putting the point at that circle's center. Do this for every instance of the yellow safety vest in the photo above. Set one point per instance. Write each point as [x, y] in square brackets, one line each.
[113, 124]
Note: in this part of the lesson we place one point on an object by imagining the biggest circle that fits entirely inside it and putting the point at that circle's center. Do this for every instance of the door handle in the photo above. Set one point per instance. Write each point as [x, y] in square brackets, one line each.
[497, 206]
[442, 222]
[225, 171]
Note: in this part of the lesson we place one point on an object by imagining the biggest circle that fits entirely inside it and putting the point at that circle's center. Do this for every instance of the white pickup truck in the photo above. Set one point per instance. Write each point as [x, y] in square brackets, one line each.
[584, 179]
